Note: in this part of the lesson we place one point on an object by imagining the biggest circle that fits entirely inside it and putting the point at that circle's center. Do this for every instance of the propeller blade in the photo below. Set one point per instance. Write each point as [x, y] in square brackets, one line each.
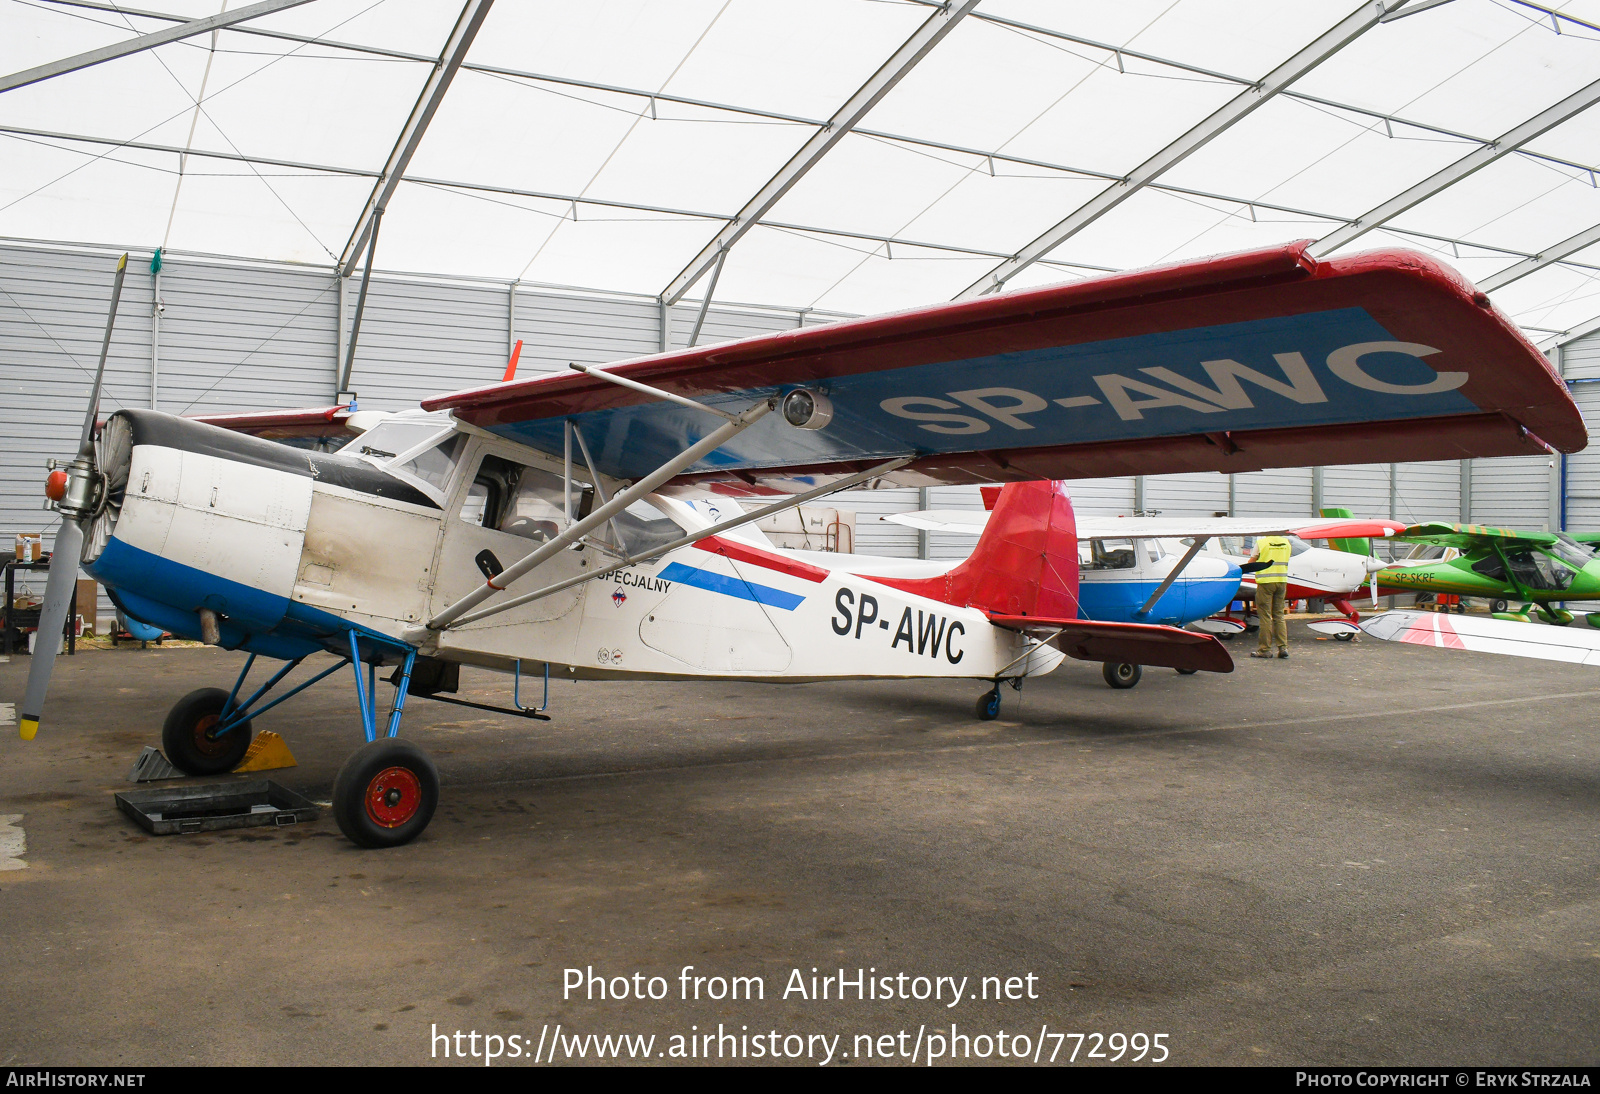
[86, 440]
[52, 622]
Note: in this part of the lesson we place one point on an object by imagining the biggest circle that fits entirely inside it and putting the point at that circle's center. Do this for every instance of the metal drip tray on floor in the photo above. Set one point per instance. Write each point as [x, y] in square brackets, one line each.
[214, 806]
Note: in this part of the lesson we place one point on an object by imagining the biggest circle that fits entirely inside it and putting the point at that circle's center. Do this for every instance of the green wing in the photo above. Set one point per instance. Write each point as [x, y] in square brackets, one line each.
[1470, 537]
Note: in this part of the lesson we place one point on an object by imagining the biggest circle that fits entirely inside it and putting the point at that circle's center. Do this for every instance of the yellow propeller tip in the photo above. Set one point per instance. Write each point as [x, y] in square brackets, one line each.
[30, 726]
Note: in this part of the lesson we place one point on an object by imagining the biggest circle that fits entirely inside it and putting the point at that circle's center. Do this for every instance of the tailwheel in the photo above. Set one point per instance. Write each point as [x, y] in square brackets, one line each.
[989, 705]
[190, 739]
[386, 793]
[1120, 674]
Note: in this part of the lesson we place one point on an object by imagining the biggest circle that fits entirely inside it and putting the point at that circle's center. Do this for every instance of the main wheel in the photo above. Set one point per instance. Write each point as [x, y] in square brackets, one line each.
[1120, 674]
[1343, 637]
[1497, 606]
[1187, 672]
[385, 794]
[189, 735]
[989, 705]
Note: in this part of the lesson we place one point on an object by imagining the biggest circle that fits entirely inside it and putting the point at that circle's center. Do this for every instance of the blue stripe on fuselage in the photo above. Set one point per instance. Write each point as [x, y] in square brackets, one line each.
[731, 586]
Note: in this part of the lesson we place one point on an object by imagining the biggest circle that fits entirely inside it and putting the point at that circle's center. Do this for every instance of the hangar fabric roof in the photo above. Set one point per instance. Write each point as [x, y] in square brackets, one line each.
[852, 155]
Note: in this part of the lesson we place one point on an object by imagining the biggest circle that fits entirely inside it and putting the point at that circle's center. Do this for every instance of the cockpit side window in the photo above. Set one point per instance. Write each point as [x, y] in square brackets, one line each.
[1111, 554]
[643, 526]
[523, 501]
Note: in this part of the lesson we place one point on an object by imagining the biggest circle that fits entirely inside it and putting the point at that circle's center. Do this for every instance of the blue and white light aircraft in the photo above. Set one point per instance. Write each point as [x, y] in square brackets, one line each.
[582, 525]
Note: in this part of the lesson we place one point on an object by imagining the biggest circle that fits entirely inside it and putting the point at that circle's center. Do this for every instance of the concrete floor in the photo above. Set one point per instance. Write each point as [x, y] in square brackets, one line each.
[1369, 853]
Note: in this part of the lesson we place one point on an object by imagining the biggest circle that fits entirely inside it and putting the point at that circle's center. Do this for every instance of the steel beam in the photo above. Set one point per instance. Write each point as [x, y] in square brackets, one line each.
[1389, 120]
[438, 82]
[896, 241]
[543, 195]
[1240, 106]
[456, 184]
[930, 34]
[1552, 254]
[1572, 334]
[143, 42]
[1542, 122]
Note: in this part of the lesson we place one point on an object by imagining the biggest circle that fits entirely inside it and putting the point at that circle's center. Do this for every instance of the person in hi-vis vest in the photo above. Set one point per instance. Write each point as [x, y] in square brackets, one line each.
[1270, 564]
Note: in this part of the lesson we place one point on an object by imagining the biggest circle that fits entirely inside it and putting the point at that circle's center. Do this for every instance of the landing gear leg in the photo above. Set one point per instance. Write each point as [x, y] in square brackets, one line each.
[387, 790]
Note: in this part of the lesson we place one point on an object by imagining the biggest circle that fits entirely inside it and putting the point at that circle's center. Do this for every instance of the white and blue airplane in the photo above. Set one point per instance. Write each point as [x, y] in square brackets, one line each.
[555, 525]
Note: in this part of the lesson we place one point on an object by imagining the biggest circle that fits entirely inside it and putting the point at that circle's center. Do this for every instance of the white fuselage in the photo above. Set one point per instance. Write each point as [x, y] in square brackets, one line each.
[282, 549]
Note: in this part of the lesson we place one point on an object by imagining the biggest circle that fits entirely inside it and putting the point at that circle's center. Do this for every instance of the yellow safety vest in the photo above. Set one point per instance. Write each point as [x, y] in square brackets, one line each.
[1275, 550]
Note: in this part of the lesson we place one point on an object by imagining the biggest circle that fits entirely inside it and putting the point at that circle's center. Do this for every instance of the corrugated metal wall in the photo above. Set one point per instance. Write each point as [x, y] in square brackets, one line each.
[237, 336]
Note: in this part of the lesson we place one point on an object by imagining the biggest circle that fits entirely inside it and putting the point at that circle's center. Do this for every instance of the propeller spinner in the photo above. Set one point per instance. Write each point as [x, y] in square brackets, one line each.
[79, 492]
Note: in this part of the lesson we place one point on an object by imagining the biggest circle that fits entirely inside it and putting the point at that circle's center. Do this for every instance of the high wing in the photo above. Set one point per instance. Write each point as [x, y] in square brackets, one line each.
[1266, 359]
[1181, 527]
[973, 522]
[1576, 645]
[1464, 537]
[328, 424]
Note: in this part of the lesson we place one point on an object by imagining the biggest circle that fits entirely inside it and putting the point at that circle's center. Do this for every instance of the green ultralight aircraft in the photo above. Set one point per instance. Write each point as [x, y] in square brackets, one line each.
[1536, 569]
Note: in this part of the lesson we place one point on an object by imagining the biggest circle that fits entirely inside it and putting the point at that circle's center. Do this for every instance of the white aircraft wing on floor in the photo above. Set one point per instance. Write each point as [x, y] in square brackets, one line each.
[1575, 645]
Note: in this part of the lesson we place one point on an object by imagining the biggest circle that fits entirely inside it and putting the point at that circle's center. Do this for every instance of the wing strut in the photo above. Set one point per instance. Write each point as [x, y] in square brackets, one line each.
[694, 537]
[1183, 564]
[574, 532]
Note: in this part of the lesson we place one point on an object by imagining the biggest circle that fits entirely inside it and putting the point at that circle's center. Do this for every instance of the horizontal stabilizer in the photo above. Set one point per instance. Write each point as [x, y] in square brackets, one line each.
[1127, 643]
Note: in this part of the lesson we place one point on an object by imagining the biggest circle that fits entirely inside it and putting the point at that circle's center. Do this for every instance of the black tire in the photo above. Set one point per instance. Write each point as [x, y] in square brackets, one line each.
[187, 740]
[1187, 672]
[1498, 605]
[1345, 637]
[385, 793]
[988, 708]
[1120, 674]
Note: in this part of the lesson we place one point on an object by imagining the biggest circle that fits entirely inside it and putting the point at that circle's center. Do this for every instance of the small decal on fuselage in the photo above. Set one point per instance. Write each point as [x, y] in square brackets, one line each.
[635, 580]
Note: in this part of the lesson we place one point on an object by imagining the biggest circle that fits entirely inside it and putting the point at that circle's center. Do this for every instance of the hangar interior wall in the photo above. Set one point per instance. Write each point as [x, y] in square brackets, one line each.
[234, 336]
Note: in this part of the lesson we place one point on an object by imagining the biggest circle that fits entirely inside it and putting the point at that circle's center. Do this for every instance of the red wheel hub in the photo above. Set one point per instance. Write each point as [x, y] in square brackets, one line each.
[393, 797]
[206, 742]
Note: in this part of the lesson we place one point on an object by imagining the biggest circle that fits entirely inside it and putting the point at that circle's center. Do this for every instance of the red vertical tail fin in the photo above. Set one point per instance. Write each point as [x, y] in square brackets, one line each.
[1026, 561]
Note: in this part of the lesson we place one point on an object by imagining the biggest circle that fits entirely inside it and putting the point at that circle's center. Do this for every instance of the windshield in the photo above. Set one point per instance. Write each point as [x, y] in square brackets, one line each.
[389, 439]
[434, 465]
[1537, 570]
[1570, 552]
